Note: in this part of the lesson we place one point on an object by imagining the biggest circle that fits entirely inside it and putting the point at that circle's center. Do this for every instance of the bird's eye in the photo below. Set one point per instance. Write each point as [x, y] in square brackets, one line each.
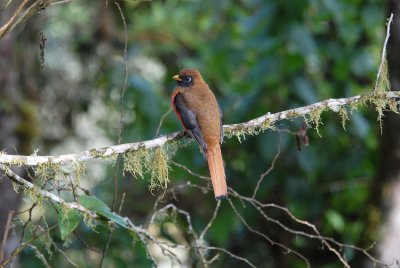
[188, 79]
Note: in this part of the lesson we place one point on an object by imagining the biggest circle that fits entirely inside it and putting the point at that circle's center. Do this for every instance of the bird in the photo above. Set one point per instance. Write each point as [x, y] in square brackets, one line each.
[200, 114]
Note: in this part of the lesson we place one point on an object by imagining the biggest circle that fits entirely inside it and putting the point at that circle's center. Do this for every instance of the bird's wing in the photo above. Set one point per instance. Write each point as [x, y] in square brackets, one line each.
[188, 119]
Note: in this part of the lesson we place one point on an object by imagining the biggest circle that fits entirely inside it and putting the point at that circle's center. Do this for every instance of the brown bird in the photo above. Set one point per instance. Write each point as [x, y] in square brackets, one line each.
[197, 108]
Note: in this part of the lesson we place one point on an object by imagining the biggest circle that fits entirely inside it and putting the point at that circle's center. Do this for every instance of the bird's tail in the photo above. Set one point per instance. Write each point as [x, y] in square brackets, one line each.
[217, 172]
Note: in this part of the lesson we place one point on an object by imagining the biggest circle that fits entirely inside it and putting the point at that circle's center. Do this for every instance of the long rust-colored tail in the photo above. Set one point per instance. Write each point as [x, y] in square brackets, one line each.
[217, 171]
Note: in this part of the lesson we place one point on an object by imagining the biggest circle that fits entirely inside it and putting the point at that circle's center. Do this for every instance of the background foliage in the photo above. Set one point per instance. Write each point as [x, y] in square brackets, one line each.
[258, 56]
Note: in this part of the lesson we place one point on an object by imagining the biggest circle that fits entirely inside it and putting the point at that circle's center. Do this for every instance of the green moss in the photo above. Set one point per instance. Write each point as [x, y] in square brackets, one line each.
[173, 146]
[343, 116]
[135, 162]
[378, 99]
[16, 187]
[383, 82]
[240, 132]
[100, 153]
[19, 162]
[392, 104]
[80, 171]
[315, 117]
[34, 196]
[292, 114]
[89, 221]
[47, 171]
[159, 169]
[153, 162]
[266, 124]
[97, 153]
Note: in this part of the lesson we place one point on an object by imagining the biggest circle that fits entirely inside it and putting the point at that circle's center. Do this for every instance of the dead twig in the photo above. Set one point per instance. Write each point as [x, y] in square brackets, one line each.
[5, 236]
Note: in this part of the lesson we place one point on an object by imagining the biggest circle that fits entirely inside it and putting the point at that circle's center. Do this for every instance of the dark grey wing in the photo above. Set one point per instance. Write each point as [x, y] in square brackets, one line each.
[188, 119]
[220, 120]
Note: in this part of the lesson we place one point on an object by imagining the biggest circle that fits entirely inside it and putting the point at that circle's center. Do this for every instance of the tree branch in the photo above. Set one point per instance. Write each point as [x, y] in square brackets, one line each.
[43, 193]
[240, 129]
[22, 12]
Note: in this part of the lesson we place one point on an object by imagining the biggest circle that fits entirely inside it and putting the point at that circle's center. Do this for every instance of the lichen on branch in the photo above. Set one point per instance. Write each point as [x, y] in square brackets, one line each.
[382, 100]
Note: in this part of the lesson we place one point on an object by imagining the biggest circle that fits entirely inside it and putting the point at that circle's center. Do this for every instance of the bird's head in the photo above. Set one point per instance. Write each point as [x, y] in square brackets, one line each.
[187, 77]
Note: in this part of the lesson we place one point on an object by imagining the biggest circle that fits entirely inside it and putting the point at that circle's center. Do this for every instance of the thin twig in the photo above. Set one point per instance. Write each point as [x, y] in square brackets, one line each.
[203, 233]
[122, 108]
[190, 171]
[21, 14]
[383, 56]
[162, 120]
[5, 236]
[9, 23]
[251, 229]
[249, 263]
[60, 2]
[5, 4]
[122, 202]
[260, 180]
[55, 245]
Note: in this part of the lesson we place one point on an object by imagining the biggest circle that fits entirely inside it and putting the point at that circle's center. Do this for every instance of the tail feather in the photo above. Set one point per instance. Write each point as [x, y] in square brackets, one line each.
[217, 172]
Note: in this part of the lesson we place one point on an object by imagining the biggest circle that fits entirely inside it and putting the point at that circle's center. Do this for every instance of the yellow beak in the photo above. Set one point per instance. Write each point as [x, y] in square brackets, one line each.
[177, 78]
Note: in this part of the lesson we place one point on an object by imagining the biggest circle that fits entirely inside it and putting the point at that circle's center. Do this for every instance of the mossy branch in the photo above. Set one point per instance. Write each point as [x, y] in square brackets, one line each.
[380, 99]
[43, 193]
[88, 214]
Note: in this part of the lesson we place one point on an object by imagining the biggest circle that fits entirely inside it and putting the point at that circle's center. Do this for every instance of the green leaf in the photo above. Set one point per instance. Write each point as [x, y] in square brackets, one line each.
[68, 221]
[335, 219]
[96, 205]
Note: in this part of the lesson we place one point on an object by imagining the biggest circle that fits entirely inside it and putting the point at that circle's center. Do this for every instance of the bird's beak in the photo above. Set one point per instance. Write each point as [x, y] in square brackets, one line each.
[177, 78]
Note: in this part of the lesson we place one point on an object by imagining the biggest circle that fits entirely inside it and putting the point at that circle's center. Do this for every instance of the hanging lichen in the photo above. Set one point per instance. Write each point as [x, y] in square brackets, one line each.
[47, 171]
[35, 196]
[250, 130]
[158, 167]
[382, 86]
[314, 117]
[80, 171]
[153, 162]
[135, 162]
[343, 116]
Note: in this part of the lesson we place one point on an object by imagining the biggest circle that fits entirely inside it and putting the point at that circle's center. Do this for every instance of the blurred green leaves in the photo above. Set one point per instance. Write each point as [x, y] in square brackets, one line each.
[335, 220]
